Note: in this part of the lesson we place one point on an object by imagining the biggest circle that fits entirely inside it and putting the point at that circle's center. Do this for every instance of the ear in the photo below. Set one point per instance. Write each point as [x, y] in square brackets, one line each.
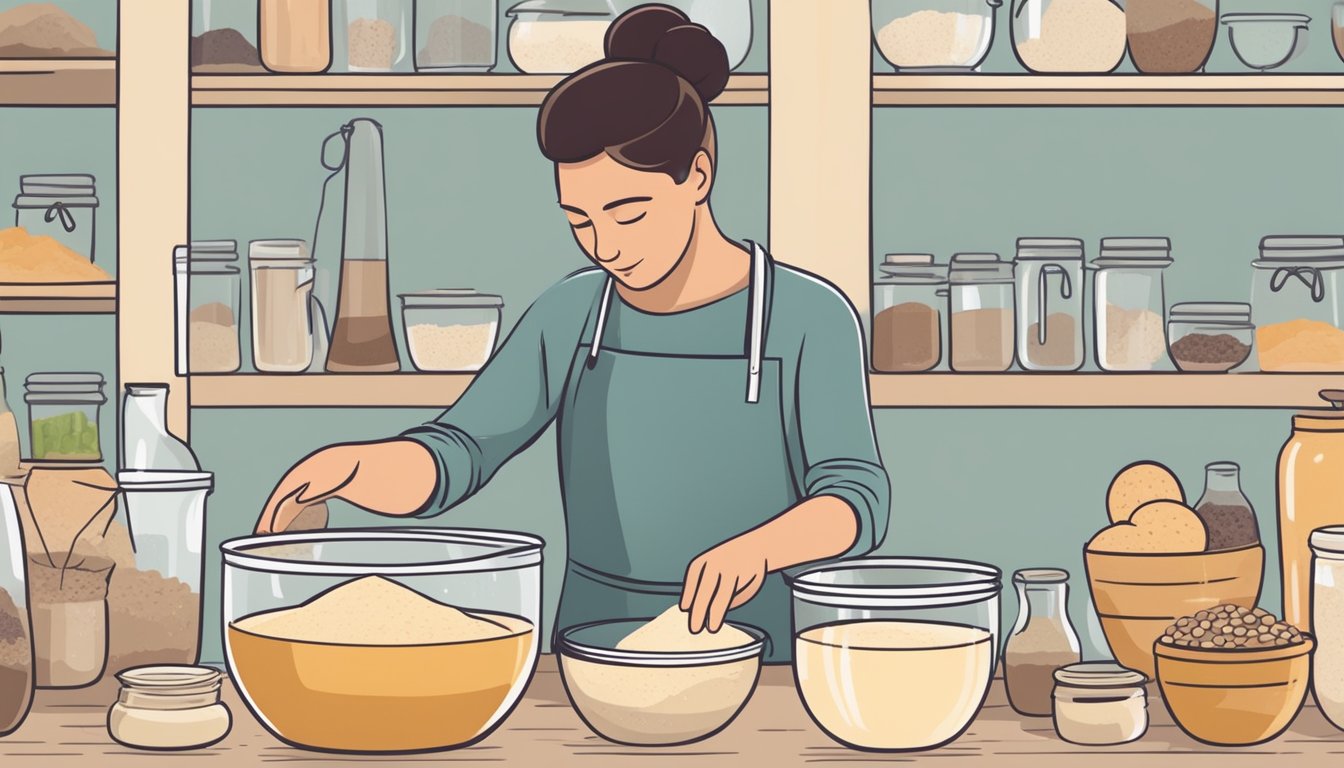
[702, 176]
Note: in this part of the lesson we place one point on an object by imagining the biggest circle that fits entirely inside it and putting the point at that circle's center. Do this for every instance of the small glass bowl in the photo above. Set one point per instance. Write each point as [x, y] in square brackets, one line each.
[1209, 337]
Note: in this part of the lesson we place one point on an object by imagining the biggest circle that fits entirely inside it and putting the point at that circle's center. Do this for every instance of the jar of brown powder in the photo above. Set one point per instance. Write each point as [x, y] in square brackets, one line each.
[908, 300]
[981, 300]
[1171, 36]
[1050, 304]
[1043, 640]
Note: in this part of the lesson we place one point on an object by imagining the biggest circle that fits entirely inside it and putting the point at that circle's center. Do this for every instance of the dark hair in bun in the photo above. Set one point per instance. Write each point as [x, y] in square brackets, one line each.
[645, 104]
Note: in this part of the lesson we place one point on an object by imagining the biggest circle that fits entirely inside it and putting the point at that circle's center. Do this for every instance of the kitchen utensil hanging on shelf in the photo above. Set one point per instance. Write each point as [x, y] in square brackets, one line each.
[362, 339]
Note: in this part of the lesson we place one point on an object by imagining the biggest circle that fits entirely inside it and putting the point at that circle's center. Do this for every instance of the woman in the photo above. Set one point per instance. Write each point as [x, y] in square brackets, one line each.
[712, 406]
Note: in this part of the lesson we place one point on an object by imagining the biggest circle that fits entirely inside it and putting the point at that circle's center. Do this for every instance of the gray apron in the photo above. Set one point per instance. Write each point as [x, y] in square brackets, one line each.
[665, 456]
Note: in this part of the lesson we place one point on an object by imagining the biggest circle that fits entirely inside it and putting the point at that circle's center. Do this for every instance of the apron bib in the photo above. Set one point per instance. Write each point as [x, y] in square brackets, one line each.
[691, 462]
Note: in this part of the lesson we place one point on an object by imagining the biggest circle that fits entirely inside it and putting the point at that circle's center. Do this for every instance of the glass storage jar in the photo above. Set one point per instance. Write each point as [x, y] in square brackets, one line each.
[455, 35]
[1327, 621]
[981, 291]
[295, 35]
[1297, 305]
[224, 37]
[169, 707]
[63, 416]
[11, 451]
[1129, 302]
[1225, 510]
[1171, 36]
[934, 34]
[1209, 337]
[909, 300]
[1050, 304]
[61, 206]
[1042, 641]
[289, 329]
[372, 35]
[16, 641]
[1069, 36]
[1100, 704]
[895, 653]
[213, 297]
[295, 668]
[557, 37]
[451, 330]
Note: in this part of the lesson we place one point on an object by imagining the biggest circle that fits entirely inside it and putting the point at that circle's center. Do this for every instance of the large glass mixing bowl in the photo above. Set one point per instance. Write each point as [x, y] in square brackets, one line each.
[382, 664]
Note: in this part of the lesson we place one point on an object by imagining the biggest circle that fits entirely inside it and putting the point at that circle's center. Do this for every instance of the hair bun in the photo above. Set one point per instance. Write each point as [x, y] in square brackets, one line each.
[665, 35]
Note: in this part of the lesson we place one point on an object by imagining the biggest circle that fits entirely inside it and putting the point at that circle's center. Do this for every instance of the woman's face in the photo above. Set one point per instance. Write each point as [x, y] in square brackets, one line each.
[636, 225]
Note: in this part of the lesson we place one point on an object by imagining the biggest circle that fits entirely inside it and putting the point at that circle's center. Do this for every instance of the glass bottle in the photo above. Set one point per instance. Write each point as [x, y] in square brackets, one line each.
[1311, 483]
[10, 451]
[16, 640]
[1225, 510]
[146, 442]
[1042, 641]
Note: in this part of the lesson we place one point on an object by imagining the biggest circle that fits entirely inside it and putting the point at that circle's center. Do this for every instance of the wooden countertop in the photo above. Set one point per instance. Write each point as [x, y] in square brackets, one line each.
[772, 731]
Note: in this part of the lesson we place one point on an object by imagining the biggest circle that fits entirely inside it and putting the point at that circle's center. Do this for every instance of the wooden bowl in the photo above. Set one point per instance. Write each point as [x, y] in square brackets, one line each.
[1137, 596]
[1234, 697]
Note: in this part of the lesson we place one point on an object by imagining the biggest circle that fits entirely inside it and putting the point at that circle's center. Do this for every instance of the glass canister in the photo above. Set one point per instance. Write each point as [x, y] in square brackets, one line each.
[288, 325]
[1130, 302]
[1100, 704]
[557, 37]
[63, 411]
[869, 628]
[61, 206]
[224, 37]
[981, 293]
[451, 330]
[1069, 36]
[455, 35]
[909, 299]
[1042, 641]
[1171, 36]
[1311, 484]
[16, 641]
[1297, 305]
[295, 35]
[372, 35]
[934, 34]
[169, 707]
[1225, 510]
[1209, 337]
[1050, 304]
[1327, 621]
[213, 296]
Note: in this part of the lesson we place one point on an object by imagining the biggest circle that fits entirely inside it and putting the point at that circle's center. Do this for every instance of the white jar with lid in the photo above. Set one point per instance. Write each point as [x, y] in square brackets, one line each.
[1130, 303]
[1327, 621]
[169, 707]
[1100, 704]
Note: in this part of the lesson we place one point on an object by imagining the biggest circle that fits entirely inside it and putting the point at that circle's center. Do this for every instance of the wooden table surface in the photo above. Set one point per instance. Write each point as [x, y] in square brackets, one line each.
[772, 731]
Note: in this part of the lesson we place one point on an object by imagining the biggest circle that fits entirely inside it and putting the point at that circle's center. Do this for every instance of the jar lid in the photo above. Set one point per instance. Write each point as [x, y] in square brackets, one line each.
[169, 676]
[1152, 252]
[450, 297]
[1280, 250]
[599, 8]
[1328, 540]
[1049, 249]
[1099, 674]
[896, 583]
[1297, 19]
[58, 184]
[1040, 576]
[912, 268]
[65, 384]
[278, 250]
[980, 268]
[1210, 311]
[213, 250]
[151, 480]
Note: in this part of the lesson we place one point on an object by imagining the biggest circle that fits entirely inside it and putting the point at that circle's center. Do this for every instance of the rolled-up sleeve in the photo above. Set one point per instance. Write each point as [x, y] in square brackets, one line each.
[835, 421]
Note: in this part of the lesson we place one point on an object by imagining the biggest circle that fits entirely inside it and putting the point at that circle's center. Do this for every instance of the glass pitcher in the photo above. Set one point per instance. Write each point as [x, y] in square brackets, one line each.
[362, 339]
[1050, 304]
[146, 441]
[1042, 641]
[1225, 510]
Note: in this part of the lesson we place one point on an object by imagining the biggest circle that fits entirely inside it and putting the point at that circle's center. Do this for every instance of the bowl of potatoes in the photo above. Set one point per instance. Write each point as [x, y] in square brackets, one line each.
[1153, 564]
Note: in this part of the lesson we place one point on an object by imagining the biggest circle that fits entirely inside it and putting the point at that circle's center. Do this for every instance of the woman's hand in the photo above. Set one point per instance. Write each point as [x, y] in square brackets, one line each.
[721, 579]
[394, 477]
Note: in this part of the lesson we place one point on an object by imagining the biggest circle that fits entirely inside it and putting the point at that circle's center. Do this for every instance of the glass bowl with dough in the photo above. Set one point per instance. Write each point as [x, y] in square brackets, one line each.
[650, 682]
[382, 640]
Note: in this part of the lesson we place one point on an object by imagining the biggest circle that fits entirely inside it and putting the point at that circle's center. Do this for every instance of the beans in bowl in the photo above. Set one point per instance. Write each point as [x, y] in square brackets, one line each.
[1231, 627]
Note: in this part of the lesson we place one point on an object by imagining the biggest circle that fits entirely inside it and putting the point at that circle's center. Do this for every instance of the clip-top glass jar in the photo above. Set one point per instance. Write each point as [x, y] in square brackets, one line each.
[1297, 306]
[1069, 36]
[981, 290]
[1050, 304]
[1130, 303]
[1171, 36]
[1042, 641]
[909, 299]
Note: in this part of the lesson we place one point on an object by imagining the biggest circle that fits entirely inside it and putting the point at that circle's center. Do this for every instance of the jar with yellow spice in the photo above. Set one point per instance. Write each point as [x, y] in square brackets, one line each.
[1311, 484]
[1296, 305]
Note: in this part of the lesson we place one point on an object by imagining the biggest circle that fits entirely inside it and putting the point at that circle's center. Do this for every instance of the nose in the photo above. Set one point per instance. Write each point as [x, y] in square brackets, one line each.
[607, 258]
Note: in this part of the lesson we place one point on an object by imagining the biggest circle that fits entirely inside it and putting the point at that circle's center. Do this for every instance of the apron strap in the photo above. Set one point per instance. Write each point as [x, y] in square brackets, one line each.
[603, 310]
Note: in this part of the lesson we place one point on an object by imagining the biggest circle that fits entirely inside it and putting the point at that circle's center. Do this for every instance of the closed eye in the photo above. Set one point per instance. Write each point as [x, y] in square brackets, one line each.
[638, 218]
[585, 224]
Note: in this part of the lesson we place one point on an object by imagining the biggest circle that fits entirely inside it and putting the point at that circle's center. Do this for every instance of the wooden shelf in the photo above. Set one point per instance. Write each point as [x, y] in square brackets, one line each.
[932, 390]
[58, 82]
[60, 299]
[420, 90]
[990, 90]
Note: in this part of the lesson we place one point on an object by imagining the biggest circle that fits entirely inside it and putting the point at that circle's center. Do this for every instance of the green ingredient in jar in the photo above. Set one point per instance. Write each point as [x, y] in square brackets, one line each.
[66, 436]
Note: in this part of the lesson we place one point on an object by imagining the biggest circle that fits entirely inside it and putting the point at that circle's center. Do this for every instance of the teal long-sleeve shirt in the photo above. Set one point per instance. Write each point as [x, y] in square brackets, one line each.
[813, 330]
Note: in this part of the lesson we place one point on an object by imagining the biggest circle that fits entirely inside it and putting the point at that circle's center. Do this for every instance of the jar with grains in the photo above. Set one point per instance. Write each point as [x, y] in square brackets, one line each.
[1297, 306]
[1225, 510]
[949, 35]
[1069, 36]
[224, 37]
[62, 206]
[289, 329]
[372, 35]
[909, 299]
[1311, 483]
[981, 293]
[1327, 621]
[169, 707]
[1129, 303]
[1171, 36]
[16, 641]
[1100, 704]
[213, 297]
[557, 37]
[1042, 641]
[455, 36]
[1209, 337]
[295, 35]
[1050, 304]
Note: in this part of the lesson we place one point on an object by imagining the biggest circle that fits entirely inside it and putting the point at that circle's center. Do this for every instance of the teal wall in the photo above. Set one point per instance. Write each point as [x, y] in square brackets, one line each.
[471, 204]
